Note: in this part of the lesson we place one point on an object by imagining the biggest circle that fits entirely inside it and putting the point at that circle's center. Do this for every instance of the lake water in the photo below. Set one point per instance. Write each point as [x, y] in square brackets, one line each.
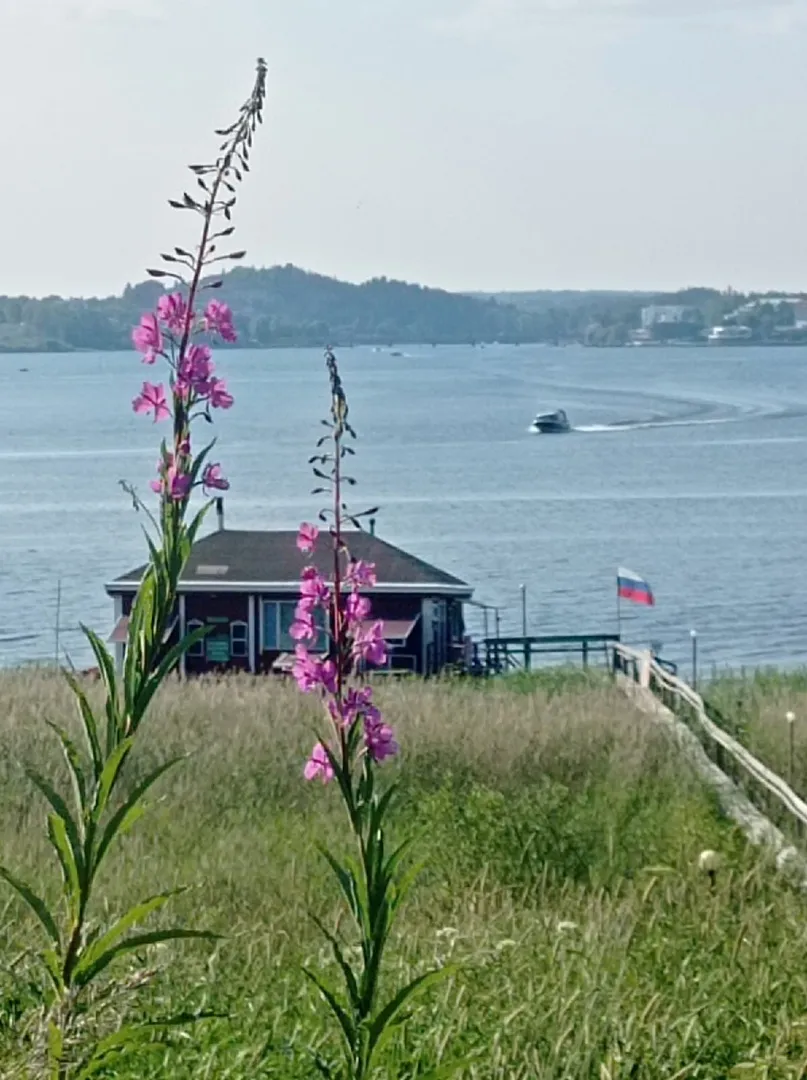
[687, 465]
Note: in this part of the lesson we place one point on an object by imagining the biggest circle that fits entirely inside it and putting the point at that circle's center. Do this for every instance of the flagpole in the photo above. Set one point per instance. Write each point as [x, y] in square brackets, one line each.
[618, 612]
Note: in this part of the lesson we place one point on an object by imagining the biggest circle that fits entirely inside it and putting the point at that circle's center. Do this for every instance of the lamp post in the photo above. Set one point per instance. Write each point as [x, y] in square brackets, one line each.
[693, 634]
[791, 723]
[523, 610]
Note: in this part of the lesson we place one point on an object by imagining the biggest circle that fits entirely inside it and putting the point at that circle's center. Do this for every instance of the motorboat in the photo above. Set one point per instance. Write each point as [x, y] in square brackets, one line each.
[553, 423]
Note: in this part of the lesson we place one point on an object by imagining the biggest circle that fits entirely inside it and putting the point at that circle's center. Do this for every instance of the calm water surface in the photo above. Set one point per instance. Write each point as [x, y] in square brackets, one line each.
[687, 465]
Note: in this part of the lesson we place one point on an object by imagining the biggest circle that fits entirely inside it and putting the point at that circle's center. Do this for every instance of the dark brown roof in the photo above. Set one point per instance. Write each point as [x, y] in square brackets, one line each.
[230, 556]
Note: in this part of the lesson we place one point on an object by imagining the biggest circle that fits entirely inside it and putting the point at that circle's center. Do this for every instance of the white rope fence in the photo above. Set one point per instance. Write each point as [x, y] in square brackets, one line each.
[642, 667]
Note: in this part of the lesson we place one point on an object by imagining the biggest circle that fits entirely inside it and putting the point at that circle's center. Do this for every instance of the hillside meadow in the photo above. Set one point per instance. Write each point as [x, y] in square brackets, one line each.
[560, 834]
[754, 707]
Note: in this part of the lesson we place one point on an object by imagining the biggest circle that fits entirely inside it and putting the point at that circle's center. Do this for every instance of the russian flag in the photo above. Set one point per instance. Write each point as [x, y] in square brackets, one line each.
[630, 586]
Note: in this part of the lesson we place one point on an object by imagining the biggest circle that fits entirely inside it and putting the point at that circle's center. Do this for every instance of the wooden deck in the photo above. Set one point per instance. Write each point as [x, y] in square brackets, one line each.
[502, 654]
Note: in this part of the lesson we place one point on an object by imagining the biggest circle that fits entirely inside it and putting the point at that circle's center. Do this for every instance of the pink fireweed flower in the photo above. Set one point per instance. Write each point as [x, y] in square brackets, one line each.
[172, 311]
[357, 609]
[356, 703]
[314, 589]
[312, 674]
[176, 485]
[152, 398]
[212, 480]
[194, 371]
[217, 394]
[360, 575]
[303, 629]
[369, 645]
[218, 319]
[147, 338]
[318, 766]
[379, 739]
[307, 539]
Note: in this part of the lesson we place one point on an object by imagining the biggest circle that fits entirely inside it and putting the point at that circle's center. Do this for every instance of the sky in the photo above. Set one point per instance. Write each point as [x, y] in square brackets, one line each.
[467, 144]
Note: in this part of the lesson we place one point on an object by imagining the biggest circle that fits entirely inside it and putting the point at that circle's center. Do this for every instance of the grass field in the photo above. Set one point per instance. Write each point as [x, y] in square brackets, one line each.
[561, 835]
[754, 708]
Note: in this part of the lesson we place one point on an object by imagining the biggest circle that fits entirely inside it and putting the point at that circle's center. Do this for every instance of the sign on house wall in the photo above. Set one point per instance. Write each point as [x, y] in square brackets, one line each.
[217, 643]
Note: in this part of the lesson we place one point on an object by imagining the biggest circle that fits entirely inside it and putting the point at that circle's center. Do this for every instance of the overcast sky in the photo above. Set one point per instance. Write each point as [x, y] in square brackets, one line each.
[485, 144]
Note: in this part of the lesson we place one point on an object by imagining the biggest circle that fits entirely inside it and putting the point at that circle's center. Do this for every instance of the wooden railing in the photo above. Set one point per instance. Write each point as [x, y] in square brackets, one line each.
[504, 654]
[763, 786]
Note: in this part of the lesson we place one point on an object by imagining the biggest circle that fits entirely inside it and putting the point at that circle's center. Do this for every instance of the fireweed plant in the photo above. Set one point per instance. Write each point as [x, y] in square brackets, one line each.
[82, 999]
[337, 642]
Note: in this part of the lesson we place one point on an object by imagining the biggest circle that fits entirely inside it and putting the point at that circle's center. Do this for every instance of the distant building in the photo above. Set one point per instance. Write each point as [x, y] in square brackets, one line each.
[245, 586]
[727, 335]
[667, 315]
[797, 304]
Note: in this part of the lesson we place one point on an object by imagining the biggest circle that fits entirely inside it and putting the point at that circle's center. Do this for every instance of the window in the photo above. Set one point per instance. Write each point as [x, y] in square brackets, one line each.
[277, 617]
[239, 639]
[198, 648]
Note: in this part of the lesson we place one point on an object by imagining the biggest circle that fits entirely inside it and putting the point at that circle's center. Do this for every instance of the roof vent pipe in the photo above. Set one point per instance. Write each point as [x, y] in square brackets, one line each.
[220, 512]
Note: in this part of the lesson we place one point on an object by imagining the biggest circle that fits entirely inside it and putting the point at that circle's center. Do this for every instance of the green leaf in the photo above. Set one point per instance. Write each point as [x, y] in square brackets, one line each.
[37, 905]
[52, 964]
[167, 664]
[140, 941]
[114, 1047]
[106, 663]
[403, 885]
[109, 776]
[88, 722]
[140, 618]
[338, 1010]
[449, 1069]
[385, 1020]
[348, 882]
[125, 817]
[347, 972]
[397, 857]
[196, 523]
[73, 759]
[73, 830]
[72, 884]
[55, 1048]
[132, 917]
[379, 810]
[196, 470]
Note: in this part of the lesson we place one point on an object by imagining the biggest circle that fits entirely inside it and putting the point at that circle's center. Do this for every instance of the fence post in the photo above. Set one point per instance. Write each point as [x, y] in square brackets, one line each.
[527, 654]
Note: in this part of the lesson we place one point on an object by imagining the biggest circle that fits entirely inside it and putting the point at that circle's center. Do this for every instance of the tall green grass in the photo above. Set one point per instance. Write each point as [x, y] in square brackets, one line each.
[754, 706]
[561, 834]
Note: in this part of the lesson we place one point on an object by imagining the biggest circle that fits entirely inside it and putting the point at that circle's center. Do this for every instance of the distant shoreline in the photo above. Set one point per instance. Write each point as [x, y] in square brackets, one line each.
[389, 350]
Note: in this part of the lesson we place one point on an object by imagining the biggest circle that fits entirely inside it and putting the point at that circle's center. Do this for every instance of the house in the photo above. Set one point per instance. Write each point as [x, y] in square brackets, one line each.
[665, 315]
[246, 584]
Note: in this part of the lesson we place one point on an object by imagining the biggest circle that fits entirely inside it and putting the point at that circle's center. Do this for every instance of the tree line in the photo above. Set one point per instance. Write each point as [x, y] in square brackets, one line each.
[286, 306]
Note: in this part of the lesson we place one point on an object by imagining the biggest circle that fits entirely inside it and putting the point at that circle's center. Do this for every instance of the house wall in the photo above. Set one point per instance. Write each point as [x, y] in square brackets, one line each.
[385, 606]
[435, 639]
[219, 610]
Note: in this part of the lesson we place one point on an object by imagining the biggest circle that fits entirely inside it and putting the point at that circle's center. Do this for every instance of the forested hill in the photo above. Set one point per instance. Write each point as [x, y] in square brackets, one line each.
[281, 306]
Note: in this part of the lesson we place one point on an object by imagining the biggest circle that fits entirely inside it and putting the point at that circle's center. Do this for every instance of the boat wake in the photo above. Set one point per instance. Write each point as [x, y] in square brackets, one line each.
[654, 409]
[705, 415]
[642, 425]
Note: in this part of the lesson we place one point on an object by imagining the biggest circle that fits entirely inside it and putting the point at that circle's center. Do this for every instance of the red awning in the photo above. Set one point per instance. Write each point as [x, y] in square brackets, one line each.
[396, 631]
[284, 664]
[120, 635]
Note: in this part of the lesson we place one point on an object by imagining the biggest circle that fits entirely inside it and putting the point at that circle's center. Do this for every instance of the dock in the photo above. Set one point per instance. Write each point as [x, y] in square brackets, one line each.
[499, 655]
